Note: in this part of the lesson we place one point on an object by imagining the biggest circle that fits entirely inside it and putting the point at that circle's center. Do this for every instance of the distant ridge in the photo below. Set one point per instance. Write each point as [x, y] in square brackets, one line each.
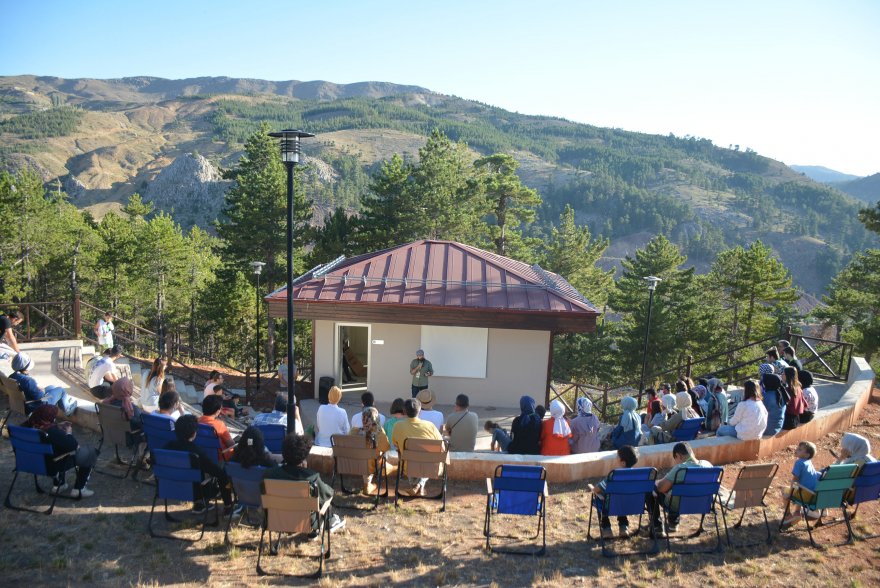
[823, 174]
[867, 189]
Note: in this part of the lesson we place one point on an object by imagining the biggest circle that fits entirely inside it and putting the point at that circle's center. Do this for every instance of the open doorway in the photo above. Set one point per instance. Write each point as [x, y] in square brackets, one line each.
[352, 356]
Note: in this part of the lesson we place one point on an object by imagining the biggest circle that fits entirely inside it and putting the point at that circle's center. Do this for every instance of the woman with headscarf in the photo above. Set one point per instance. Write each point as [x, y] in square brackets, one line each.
[331, 420]
[526, 429]
[120, 395]
[556, 432]
[699, 400]
[629, 428]
[854, 449]
[811, 397]
[59, 435]
[663, 433]
[585, 428]
[771, 390]
[374, 438]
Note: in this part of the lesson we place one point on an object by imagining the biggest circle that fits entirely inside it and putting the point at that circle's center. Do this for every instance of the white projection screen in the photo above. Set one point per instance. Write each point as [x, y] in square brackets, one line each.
[456, 352]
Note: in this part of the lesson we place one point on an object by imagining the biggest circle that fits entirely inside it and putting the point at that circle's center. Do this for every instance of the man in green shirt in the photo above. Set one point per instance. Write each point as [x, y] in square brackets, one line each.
[420, 368]
[684, 458]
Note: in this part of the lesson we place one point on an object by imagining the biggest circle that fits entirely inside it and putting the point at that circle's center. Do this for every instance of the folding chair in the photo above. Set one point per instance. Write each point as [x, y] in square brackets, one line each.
[750, 490]
[246, 484]
[16, 400]
[207, 439]
[352, 458]
[288, 507]
[116, 430]
[34, 455]
[176, 479]
[830, 492]
[695, 493]
[517, 490]
[688, 429]
[158, 432]
[423, 458]
[273, 436]
[866, 488]
[626, 493]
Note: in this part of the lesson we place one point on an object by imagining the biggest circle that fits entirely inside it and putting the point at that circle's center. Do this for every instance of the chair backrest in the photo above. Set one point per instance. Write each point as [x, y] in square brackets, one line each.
[246, 482]
[688, 429]
[33, 452]
[288, 505]
[867, 484]
[207, 439]
[519, 489]
[158, 429]
[625, 491]
[175, 474]
[752, 483]
[424, 458]
[351, 456]
[273, 436]
[16, 396]
[697, 489]
[832, 486]
[113, 424]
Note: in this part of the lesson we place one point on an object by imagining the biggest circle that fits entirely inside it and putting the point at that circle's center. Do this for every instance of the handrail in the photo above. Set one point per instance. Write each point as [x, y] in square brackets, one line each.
[120, 319]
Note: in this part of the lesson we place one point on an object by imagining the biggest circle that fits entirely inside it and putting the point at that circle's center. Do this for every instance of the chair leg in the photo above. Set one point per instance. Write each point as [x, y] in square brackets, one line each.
[228, 525]
[8, 502]
[260, 571]
[445, 479]
[150, 523]
[487, 524]
[718, 546]
[724, 518]
[809, 529]
[590, 520]
[543, 529]
[397, 485]
[767, 525]
[850, 536]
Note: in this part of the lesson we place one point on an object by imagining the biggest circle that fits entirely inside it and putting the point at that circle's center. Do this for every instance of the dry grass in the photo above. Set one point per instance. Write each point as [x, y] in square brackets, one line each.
[104, 541]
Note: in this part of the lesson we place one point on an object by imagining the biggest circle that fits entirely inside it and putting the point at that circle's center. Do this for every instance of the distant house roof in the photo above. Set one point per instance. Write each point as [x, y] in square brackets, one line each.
[438, 282]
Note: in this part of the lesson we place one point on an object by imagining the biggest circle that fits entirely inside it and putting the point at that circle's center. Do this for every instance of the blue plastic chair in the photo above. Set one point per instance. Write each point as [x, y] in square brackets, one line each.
[246, 482]
[273, 436]
[696, 492]
[627, 491]
[177, 479]
[866, 488]
[688, 429]
[34, 455]
[517, 490]
[207, 439]
[158, 432]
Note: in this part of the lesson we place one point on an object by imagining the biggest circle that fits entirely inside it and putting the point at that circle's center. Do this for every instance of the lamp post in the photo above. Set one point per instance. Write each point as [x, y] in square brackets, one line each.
[258, 269]
[290, 152]
[652, 285]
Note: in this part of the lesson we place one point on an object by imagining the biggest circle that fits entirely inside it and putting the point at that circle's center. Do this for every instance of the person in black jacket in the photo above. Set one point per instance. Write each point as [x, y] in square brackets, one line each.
[526, 429]
[59, 434]
[186, 429]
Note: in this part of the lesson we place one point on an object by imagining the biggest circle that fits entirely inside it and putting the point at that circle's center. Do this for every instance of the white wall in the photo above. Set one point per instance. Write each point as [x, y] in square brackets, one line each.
[516, 365]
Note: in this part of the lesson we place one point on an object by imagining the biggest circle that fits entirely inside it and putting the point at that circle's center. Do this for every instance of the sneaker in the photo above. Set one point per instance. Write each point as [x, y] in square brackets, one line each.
[791, 520]
[59, 489]
[337, 523]
[623, 530]
[672, 527]
[200, 508]
[81, 493]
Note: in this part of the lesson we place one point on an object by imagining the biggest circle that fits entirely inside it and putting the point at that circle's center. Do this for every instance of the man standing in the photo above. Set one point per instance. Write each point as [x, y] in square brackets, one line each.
[416, 428]
[104, 331]
[461, 426]
[283, 375]
[420, 369]
[8, 342]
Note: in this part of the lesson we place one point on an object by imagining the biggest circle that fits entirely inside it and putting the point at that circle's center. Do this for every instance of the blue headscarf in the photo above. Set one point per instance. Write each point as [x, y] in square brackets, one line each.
[629, 420]
[527, 415]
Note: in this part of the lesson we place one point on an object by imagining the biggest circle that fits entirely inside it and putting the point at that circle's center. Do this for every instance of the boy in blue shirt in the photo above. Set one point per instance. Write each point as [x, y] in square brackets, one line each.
[804, 478]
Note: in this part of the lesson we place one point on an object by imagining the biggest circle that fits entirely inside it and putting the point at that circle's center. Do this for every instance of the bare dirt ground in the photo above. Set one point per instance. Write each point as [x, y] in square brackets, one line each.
[104, 541]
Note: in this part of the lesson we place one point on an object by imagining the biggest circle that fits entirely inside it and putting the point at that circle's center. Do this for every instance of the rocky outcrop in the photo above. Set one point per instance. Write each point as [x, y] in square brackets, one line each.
[191, 188]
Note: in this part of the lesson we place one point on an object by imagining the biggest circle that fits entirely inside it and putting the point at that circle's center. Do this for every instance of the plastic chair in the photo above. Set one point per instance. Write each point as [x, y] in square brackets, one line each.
[688, 429]
[16, 399]
[696, 492]
[116, 430]
[351, 457]
[830, 492]
[517, 490]
[273, 436]
[627, 492]
[34, 455]
[749, 491]
[423, 458]
[288, 507]
[207, 439]
[177, 479]
[866, 488]
[246, 484]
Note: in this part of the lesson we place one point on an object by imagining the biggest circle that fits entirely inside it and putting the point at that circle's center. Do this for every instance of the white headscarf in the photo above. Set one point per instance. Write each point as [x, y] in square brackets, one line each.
[560, 424]
[668, 401]
[858, 447]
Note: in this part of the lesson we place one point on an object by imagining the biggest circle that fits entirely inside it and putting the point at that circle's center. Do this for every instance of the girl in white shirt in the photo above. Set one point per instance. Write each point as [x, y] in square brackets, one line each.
[152, 387]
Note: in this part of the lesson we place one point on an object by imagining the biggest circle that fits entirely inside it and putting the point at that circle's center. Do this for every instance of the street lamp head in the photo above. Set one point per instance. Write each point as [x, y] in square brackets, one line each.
[290, 146]
[258, 267]
[652, 282]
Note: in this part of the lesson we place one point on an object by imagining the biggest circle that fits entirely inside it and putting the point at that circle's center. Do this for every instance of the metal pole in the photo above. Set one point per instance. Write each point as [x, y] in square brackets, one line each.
[258, 332]
[645, 350]
[291, 383]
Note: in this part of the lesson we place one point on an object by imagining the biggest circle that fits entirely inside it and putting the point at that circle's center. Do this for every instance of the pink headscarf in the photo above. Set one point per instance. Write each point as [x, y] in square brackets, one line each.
[122, 390]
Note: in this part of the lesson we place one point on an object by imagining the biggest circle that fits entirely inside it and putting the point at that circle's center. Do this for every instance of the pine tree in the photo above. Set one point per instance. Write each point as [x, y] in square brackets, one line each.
[386, 219]
[333, 238]
[510, 202]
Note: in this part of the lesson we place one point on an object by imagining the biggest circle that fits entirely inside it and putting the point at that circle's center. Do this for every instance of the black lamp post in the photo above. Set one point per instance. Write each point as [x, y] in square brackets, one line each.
[258, 269]
[652, 285]
[290, 152]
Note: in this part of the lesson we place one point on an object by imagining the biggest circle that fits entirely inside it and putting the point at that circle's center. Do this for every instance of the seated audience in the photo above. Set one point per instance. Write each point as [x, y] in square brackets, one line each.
[215, 378]
[427, 398]
[525, 431]
[771, 390]
[629, 427]
[278, 416]
[413, 427]
[811, 397]
[367, 400]
[120, 395]
[396, 415]
[63, 441]
[34, 396]
[152, 386]
[585, 428]
[804, 478]
[796, 403]
[374, 438]
[659, 415]
[251, 450]
[169, 405]
[295, 451]
[331, 420]
[627, 457]
[684, 458]
[695, 393]
[556, 432]
[772, 358]
[749, 421]
[211, 407]
[461, 425]
[717, 400]
[854, 449]
[185, 429]
[103, 373]
[651, 396]
[789, 357]
[663, 433]
[500, 437]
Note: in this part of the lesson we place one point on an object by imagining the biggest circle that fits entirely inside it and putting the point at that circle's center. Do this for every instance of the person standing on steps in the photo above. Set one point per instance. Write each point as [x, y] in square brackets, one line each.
[420, 369]
[104, 331]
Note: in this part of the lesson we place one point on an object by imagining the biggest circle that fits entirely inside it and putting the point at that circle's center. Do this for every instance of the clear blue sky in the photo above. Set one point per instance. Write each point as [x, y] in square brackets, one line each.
[794, 80]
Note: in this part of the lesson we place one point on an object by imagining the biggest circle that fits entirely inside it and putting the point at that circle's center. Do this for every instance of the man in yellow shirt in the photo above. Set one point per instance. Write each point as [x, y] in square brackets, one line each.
[414, 427]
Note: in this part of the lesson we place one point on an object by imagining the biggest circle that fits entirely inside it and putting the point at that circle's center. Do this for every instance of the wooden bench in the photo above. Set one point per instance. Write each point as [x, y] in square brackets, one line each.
[71, 368]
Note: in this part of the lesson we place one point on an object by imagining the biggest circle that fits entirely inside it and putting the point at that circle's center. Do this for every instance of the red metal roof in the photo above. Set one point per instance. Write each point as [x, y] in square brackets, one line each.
[438, 274]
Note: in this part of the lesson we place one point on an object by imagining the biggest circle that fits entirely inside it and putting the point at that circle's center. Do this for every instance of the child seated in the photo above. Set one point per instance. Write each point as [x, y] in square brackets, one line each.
[500, 437]
[804, 480]
[627, 457]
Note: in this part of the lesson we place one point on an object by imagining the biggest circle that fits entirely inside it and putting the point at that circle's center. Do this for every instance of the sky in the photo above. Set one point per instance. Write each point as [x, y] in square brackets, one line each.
[794, 80]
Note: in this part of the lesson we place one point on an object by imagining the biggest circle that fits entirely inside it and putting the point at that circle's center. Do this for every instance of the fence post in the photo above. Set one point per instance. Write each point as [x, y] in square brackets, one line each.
[27, 321]
[77, 316]
[247, 386]
[605, 403]
[689, 366]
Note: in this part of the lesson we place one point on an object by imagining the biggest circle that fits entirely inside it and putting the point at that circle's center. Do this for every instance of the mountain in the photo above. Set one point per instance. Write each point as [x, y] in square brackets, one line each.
[102, 140]
[823, 174]
[866, 189]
